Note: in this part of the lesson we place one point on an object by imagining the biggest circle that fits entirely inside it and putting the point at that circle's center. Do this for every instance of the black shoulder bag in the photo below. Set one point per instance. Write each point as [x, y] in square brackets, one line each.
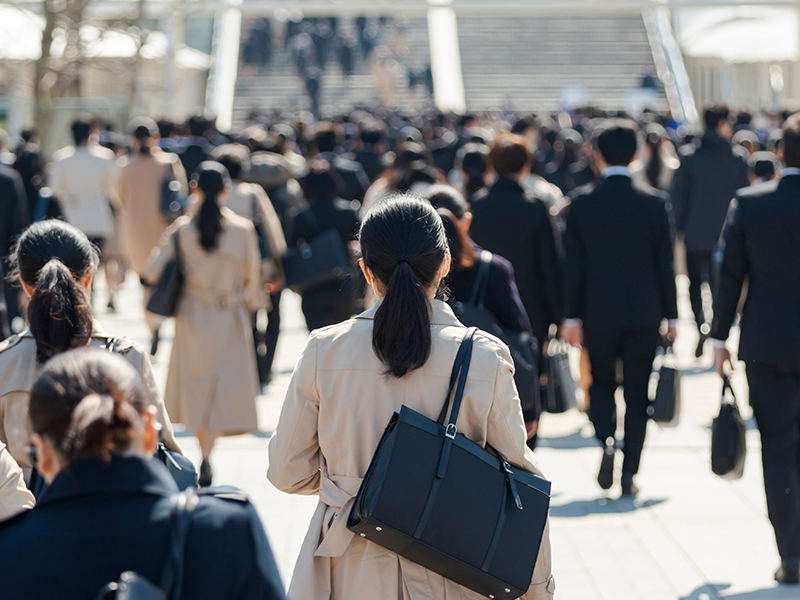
[132, 586]
[523, 346]
[449, 505]
[168, 290]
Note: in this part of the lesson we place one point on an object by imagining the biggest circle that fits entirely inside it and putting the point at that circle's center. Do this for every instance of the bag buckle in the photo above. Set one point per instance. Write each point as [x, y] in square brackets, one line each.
[450, 431]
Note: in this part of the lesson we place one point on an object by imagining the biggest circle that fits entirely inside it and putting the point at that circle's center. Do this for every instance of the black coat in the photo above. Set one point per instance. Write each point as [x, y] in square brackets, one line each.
[762, 245]
[14, 219]
[99, 519]
[703, 187]
[192, 156]
[618, 266]
[516, 225]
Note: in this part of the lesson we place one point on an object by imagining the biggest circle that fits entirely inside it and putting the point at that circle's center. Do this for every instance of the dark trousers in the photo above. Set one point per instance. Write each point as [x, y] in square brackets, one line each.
[330, 303]
[698, 266]
[273, 331]
[637, 349]
[775, 398]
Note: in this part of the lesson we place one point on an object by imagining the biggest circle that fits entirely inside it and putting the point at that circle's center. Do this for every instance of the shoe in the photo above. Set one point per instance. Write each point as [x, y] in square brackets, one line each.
[206, 474]
[606, 475]
[110, 307]
[628, 486]
[701, 344]
[154, 344]
[789, 571]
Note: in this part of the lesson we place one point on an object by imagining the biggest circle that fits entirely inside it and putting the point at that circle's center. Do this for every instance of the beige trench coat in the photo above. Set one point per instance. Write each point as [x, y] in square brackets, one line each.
[19, 370]
[337, 406]
[213, 378]
[137, 193]
[14, 496]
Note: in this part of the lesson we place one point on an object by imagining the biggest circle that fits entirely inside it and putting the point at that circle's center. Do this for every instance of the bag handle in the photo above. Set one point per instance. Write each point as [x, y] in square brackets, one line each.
[478, 295]
[727, 387]
[459, 373]
[182, 508]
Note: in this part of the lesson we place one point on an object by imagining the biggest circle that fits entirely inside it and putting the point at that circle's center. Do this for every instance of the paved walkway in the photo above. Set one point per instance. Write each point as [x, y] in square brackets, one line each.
[689, 536]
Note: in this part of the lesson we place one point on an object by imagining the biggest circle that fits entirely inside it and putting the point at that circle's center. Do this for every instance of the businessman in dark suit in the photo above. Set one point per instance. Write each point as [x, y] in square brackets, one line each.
[198, 150]
[619, 288]
[704, 184]
[762, 246]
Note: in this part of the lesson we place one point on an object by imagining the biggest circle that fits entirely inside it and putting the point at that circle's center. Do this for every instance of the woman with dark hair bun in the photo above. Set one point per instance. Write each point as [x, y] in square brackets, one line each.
[55, 264]
[349, 381]
[109, 507]
[213, 380]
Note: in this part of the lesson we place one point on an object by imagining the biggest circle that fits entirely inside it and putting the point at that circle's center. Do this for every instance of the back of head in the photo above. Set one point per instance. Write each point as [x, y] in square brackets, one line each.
[326, 137]
[51, 257]
[198, 125]
[473, 160]
[234, 157]
[716, 114]
[87, 403]
[143, 130]
[165, 128]
[790, 142]
[764, 165]
[370, 131]
[211, 178]
[509, 155]
[404, 244]
[445, 196]
[82, 129]
[617, 141]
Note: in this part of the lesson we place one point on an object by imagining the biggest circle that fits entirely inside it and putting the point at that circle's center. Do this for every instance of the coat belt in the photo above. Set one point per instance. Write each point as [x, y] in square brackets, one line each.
[337, 493]
[217, 300]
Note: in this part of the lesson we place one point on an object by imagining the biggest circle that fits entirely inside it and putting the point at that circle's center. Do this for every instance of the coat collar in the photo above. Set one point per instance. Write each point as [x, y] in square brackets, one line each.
[507, 184]
[441, 313]
[123, 474]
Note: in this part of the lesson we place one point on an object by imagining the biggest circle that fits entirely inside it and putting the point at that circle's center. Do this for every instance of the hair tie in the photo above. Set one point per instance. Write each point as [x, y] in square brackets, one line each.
[404, 259]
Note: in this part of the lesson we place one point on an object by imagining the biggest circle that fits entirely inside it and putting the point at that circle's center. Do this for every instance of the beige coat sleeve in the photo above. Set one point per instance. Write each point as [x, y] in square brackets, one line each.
[506, 434]
[256, 296]
[141, 362]
[294, 455]
[14, 496]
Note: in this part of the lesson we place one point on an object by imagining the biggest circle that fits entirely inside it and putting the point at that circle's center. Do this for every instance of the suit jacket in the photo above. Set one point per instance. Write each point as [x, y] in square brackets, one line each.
[337, 407]
[515, 224]
[356, 182]
[618, 267]
[99, 519]
[702, 189]
[761, 243]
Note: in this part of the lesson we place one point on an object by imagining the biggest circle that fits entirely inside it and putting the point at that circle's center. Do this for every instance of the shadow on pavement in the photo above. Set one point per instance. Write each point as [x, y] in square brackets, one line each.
[572, 441]
[583, 508]
[713, 591]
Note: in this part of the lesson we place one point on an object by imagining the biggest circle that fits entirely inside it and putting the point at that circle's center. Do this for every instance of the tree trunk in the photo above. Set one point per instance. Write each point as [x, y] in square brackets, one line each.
[43, 80]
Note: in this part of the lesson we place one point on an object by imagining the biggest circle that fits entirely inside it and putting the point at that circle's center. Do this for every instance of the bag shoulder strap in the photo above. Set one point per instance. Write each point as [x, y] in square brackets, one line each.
[182, 508]
[478, 294]
[459, 373]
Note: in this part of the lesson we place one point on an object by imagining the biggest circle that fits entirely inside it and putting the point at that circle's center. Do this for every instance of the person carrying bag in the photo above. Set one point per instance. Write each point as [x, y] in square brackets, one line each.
[398, 357]
[728, 441]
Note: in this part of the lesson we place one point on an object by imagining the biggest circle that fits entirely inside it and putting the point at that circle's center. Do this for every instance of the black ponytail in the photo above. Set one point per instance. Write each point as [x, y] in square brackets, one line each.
[51, 257]
[211, 179]
[404, 244]
[87, 403]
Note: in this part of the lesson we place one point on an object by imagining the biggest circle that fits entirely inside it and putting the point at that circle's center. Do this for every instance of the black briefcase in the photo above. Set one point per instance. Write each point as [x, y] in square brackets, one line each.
[523, 346]
[316, 262]
[665, 407]
[168, 290]
[443, 502]
[558, 385]
[728, 437]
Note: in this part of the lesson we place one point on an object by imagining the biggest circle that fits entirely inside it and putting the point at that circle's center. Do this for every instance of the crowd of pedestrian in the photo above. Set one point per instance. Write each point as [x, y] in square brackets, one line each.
[555, 227]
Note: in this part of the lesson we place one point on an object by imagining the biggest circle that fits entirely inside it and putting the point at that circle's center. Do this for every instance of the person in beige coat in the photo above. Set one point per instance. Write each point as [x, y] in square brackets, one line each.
[138, 193]
[14, 496]
[55, 262]
[212, 382]
[347, 384]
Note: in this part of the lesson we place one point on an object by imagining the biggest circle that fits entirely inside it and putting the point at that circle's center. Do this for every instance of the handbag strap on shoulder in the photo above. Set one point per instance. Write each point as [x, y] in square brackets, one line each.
[478, 295]
[458, 374]
[183, 505]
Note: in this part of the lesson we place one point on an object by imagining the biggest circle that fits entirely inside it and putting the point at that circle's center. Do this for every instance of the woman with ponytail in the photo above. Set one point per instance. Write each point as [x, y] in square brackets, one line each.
[213, 379]
[350, 380]
[139, 191]
[109, 507]
[55, 263]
